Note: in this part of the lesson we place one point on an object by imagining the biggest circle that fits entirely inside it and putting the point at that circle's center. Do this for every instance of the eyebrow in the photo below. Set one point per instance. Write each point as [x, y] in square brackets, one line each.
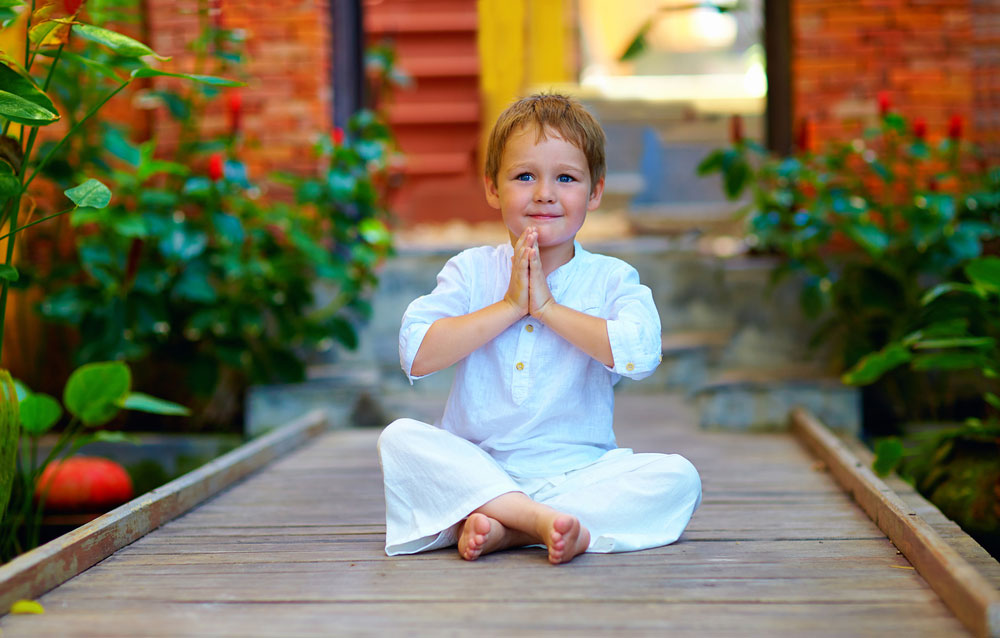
[527, 166]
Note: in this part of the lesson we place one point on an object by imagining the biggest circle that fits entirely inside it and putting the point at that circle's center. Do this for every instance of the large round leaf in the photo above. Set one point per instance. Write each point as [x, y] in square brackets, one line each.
[39, 412]
[90, 194]
[95, 390]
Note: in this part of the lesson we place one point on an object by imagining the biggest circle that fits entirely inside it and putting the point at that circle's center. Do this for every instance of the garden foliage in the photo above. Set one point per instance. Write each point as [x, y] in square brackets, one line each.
[890, 236]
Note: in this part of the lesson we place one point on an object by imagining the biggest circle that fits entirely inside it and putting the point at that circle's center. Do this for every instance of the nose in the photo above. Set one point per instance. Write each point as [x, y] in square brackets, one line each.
[544, 192]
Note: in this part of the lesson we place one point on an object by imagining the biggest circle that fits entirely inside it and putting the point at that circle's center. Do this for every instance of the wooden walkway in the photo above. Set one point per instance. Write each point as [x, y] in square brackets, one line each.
[776, 549]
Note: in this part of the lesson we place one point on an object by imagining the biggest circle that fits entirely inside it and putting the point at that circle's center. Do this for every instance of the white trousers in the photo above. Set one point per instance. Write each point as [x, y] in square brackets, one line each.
[434, 480]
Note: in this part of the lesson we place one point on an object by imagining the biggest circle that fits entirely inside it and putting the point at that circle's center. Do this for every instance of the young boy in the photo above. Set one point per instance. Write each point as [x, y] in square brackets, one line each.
[540, 330]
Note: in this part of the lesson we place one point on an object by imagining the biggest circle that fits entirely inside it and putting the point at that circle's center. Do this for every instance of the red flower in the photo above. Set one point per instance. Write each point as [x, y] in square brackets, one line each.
[215, 167]
[920, 128]
[234, 106]
[72, 6]
[884, 103]
[955, 127]
[337, 136]
[736, 129]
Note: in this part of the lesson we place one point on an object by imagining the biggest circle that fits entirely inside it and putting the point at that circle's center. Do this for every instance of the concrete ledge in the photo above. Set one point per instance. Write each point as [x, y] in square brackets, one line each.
[969, 595]
[36, 572]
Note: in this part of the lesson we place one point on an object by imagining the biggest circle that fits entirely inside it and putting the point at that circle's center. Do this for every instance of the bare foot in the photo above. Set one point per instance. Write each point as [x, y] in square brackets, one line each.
[566, 539]
[475, 536]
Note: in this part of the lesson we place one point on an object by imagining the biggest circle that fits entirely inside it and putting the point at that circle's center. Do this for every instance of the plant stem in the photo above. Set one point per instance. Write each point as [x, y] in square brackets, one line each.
[76, 126]
[38, 221]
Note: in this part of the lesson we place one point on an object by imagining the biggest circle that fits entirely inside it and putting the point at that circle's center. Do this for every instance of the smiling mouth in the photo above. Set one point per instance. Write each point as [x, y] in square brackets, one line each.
[544, 216]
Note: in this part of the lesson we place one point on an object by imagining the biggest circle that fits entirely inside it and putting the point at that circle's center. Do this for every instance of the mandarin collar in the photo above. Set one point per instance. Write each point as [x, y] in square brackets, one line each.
[558, 276]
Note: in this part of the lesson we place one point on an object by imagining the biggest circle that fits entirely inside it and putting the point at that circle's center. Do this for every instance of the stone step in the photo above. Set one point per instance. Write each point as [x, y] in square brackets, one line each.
[688, 357]
[760, 398]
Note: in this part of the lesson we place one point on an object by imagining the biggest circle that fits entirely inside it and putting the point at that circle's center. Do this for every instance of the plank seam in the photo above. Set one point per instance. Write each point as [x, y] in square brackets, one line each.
[39, 570]
[972, 598]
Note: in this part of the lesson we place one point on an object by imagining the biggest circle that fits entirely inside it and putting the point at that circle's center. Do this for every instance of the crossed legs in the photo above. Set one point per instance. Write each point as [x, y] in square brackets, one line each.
[513, 520]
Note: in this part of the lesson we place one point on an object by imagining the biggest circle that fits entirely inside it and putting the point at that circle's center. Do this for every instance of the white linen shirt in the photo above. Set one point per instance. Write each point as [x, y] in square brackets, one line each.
[533, 401]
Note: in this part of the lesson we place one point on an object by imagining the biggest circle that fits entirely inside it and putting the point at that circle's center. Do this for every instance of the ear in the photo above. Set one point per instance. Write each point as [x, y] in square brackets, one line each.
[492, 194]
[595, 195]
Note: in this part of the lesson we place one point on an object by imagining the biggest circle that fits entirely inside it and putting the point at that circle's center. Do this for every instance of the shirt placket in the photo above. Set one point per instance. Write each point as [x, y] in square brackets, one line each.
[527, 333]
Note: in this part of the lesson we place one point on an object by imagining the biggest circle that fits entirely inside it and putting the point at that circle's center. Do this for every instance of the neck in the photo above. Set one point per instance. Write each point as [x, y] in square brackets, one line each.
[555, 256]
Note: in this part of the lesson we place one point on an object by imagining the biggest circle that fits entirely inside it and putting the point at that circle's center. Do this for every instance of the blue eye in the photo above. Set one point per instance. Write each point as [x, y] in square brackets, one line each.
[565, 178]
[524, 177]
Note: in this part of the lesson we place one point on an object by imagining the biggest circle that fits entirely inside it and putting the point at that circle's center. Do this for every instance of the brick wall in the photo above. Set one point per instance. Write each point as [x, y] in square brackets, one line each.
[935, 58]
[287, 101]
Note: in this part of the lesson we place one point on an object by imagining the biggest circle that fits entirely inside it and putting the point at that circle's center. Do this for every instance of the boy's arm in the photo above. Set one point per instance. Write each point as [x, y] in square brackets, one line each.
[627, 342]
[451, 339]
[584, 331]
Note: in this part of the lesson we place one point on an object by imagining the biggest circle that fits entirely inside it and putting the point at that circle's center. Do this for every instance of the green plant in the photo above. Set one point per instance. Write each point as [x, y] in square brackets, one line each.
[39, 34]
[205, 280]
[865, 226]
[93, 396]
[958, 468]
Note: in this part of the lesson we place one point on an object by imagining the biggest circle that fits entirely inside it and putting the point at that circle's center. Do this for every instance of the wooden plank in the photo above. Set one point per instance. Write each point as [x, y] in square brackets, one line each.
[458, 617]
[775, 549]
[967, 593]
[52, 564]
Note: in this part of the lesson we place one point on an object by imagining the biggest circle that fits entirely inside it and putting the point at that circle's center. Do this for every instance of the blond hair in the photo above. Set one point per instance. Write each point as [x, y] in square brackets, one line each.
[561, 113]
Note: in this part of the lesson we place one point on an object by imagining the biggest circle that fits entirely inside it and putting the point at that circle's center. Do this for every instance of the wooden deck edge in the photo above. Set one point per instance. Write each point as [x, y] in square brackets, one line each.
[36, 572]
[970, 596]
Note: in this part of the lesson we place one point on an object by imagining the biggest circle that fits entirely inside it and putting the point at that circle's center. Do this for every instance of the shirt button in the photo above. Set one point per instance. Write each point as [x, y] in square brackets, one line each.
[630, 367]
[529, 327]
[519, 366]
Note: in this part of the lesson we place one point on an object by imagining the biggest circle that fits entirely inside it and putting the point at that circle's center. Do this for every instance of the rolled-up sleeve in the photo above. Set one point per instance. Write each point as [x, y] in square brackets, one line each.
[633, 324]
[450, 298]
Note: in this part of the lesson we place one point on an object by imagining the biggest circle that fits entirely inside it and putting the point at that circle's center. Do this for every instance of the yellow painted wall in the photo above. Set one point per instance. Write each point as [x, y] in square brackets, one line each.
[523, 45]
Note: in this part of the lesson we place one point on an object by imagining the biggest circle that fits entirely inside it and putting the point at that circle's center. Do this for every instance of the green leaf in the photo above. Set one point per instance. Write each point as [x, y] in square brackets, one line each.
[145, 403]
[948, 361]
[81, 216]
[945, 288]
[130, 225]
[985, 273]
[869, 237]
[94, 390]
[888, 454]
[17, 109]
[992, 399]
[956, 342]
[90, 194]
[10, 185]
[20, 98]
[211, 80]
[8, 272]
[120, 44]
[39, 412]
[711, 164]
[875, 364]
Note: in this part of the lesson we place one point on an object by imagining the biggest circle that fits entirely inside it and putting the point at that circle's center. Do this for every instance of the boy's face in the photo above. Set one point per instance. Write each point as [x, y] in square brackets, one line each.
[543, 183]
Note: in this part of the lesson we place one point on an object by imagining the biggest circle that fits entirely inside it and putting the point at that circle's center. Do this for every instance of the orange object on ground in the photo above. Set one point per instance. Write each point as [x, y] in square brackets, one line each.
[84, 483]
